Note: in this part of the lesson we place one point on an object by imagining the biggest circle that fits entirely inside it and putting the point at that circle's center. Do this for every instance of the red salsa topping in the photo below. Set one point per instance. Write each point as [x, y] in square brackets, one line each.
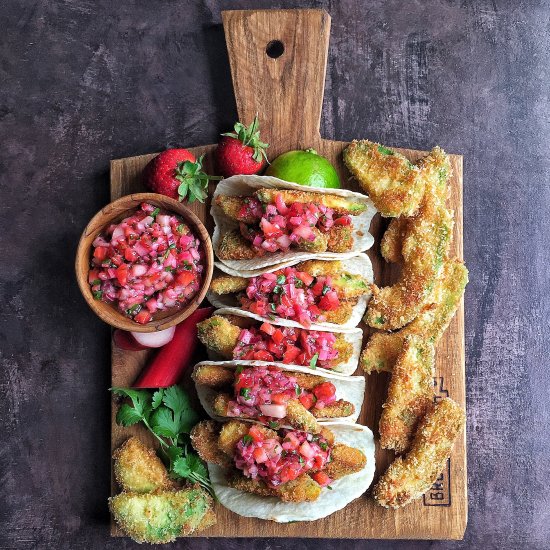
[277, 461]
[286, 344]
[146, 263]
[279, 225]
[290, 294]
[263, 393]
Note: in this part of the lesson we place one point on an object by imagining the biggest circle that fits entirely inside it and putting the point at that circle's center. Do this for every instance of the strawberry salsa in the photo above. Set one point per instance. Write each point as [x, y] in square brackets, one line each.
[263, 393]
[277, 461]
[291, 294]
[279, 225]
[286, 344]
[147, 263]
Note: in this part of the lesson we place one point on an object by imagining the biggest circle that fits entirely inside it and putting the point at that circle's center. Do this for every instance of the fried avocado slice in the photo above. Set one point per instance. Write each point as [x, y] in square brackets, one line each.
[214, 376]
[162, 516]
[341, 205]
[410, 394]
[383, 348]
[340, 238]
[300, 418]
[392, 241]
[138, 469]
[233, 246]
[435, 169]
[228, 284]
[341, 315]
[347, 285]
[424, 250]
[204, 438]
[409, 477]
[319, 244]
[235, 208]
[301, 489]
[393, 183]
[234, 430]
[344, 461]
[219, 334]
[338, 409]
[297, 415]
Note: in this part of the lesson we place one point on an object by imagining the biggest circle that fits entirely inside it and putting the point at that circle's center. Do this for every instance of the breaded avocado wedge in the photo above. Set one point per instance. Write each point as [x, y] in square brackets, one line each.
[162, 516]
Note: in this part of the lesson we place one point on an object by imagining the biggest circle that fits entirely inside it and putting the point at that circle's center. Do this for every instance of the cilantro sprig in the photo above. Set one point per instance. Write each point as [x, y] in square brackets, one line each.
[168, 415]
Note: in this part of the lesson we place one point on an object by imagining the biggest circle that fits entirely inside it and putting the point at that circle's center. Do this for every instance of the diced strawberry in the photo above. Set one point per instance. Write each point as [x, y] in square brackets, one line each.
[130, 255]
[306, 278]
[277, 336]
[255, 433]
[122, 274]
[100, 253]
[324, 391]
[343, 220]
[185, 277]
[143, 317]
[279, 398]
[263, 355]
[260, 456]
[267, 328]
[321, 478]
[307, 400]
[290, 354]
[330, 301]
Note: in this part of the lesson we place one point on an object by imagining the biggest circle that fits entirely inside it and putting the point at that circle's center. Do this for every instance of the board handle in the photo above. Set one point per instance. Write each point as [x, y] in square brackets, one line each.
[278, 62]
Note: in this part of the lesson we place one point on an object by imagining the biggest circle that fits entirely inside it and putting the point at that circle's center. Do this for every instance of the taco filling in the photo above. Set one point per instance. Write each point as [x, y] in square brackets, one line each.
[278, 220]
[272, 395]
[267, 342]
[292, 465]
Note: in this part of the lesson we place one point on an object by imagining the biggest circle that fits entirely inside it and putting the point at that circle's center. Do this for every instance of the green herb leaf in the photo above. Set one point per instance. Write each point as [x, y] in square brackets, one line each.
[245, 392]
[98, 294]
[141, 400]
[190, 467]
[281, 279]
[313, 362]
[273, 425]
[127, 416]
[155, 212]
[157, 398]
[247, 439]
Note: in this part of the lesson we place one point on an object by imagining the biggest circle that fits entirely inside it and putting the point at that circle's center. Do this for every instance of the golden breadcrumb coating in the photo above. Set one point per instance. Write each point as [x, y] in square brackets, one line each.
[391, 244]
[409, 477]
[162, 516]
[308, 381]
[425, 246]
[341, 315]
[138, 469]
[233, 246]
[344, 461]
[338, 409]
[204, 438]
[219, 334]
[410, 394]
[340, 205]
[227, 284]
[340, 238]
[394, 184]
[300, 418]
[214, 376]
[383, 348]
[233, 206]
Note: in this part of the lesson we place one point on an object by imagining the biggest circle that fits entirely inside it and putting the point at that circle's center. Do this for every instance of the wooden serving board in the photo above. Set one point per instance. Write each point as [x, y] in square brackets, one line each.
[287, 92]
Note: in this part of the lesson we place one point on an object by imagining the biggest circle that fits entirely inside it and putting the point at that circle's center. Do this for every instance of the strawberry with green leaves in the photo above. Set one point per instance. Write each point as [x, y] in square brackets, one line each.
[241, 152]
[178, 174]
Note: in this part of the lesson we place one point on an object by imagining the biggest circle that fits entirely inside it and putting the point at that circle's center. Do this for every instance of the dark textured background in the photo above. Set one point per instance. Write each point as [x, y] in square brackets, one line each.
[82, 82]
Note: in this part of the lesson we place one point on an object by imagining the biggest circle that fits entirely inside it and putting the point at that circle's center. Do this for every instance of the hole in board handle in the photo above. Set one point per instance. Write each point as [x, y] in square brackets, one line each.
[275, 49]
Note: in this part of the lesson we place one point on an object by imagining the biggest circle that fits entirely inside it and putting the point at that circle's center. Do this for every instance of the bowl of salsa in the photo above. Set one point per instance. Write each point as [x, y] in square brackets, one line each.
[144, 262]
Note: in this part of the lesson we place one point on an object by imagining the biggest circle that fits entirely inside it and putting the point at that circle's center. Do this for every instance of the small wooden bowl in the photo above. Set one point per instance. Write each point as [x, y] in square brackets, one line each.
[115, 212]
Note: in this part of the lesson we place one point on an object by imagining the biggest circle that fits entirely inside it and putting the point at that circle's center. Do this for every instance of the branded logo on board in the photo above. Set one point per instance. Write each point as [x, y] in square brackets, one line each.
[440, 492]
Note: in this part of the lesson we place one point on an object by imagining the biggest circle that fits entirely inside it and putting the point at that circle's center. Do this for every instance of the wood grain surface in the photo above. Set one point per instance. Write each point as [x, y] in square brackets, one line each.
[442, 514]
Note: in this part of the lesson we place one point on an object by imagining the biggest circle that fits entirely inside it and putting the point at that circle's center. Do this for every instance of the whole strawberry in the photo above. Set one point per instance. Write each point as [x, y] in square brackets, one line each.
[241, 152]
[176, 173]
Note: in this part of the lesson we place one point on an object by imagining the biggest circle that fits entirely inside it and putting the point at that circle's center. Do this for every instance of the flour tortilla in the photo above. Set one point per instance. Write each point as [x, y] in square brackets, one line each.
[344, 490]
[357, 265]
[246, 185]
[353, 336]
[350, 388]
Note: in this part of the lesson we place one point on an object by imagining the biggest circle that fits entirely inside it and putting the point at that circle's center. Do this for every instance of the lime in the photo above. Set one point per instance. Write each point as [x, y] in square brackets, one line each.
[306, 168]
